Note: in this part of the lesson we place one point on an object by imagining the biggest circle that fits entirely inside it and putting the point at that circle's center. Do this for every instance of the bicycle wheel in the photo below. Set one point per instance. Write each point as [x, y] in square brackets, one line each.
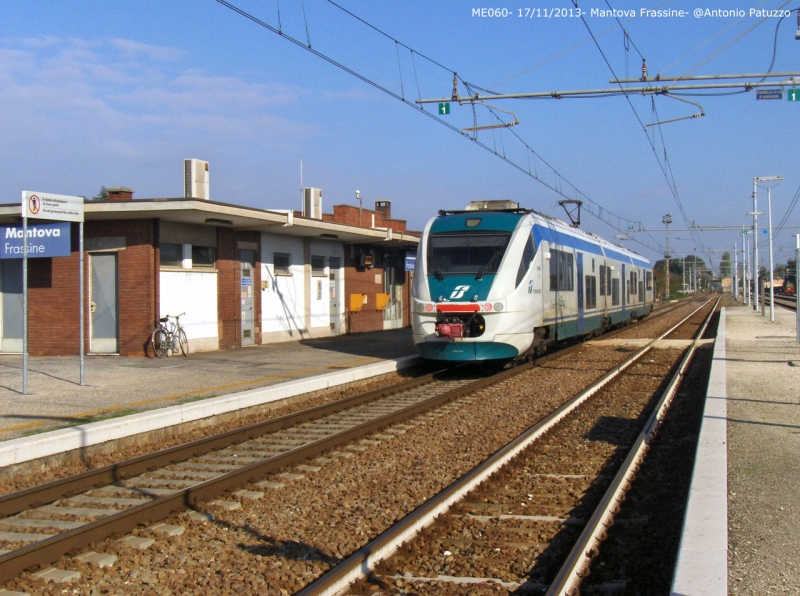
[160, 342]
[183, 341]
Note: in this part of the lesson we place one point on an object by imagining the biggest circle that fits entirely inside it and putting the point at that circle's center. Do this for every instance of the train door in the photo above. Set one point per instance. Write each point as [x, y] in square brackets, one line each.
[623, 290]
[579, 260]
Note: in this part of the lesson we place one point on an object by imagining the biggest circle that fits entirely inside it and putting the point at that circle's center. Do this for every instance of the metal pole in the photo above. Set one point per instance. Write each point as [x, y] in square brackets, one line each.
[796, 261]
[755, 244]
[80, 294]
[735, 274]
[771, 264]
[24, 305]
[745, 261]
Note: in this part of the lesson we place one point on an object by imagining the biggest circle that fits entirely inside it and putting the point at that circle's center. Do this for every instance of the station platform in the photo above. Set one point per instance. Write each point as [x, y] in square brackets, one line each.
[117, 386]
[740, 531]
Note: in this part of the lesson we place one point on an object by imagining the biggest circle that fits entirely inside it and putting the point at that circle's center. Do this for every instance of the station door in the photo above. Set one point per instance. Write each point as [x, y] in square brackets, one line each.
[248, 262]
[104, 307]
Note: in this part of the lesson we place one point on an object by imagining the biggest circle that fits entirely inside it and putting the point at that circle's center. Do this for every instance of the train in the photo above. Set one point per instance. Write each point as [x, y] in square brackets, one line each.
[498, 282]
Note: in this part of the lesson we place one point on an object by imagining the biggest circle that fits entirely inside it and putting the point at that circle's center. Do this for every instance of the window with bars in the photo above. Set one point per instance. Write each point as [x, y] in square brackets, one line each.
[282, 261]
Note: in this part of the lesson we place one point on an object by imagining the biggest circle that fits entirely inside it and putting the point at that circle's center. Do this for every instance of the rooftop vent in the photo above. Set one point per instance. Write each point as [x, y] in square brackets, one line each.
[195, 179]
[491, 205]
[120, 193]
[312, 203]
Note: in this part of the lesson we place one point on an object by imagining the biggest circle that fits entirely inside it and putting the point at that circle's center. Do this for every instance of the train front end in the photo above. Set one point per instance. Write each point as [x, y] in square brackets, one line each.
[461, 303]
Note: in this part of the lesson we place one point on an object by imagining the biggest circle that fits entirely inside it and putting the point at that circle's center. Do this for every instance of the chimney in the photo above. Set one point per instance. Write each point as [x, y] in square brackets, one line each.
[384, 208]
[120, 193]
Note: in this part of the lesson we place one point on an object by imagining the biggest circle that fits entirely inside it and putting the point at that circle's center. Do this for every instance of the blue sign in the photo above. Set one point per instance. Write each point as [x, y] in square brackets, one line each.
[247, 281]
[411, 261]
[769, 94]
[44, 240]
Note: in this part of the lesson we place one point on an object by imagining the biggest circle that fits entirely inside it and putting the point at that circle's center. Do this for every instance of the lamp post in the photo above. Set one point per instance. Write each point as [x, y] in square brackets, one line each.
[771, 264]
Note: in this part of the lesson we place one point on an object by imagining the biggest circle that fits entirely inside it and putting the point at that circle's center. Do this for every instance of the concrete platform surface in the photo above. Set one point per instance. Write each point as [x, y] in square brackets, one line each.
[763, 395]
[116, 386]
[740, 533]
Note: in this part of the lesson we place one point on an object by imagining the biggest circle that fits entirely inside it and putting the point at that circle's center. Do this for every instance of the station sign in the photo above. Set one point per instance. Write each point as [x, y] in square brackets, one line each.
[43, 205]
[44, 240]
[769, 94]
[411, 261]
[444, 108]
[793, 94]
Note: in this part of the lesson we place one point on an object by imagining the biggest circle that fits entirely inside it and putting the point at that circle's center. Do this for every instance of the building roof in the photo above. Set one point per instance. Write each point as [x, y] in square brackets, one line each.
[237, 217]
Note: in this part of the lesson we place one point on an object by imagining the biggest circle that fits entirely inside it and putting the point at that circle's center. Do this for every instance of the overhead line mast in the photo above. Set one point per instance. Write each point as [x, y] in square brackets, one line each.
[648, 89]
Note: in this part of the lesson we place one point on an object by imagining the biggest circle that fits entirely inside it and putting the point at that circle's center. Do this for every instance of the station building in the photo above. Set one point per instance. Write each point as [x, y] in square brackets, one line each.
[242, 276]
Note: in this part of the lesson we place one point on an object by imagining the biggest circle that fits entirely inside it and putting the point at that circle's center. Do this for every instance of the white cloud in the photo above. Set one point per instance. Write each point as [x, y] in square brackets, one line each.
[129, 48]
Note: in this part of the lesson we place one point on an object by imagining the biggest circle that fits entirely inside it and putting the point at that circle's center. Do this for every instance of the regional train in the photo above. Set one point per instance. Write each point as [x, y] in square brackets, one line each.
[496, 282]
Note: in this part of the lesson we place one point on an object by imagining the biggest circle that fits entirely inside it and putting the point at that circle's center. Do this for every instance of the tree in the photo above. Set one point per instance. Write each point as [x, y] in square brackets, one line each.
[725, 265]
[102, 195]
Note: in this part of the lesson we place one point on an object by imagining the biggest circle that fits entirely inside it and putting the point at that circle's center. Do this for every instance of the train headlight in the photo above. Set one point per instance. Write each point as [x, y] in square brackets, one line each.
[487, 307]
[429, 307]
[420, 307]
[498, 306]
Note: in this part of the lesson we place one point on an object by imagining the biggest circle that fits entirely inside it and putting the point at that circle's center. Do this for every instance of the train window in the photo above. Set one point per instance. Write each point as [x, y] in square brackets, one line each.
[466, 254]
[614, 292]
[641, 291]
[649, 280]
[591, 291]
[608, 280]
[562, 272]
[592, 265]
[527, 258]
[602, 280]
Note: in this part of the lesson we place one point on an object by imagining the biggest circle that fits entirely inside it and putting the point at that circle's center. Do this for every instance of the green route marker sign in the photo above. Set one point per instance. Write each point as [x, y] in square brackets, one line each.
[444, 108]
[793, 95]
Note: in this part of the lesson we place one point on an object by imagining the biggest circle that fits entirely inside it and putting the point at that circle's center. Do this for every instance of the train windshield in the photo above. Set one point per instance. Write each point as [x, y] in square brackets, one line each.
[466, 254]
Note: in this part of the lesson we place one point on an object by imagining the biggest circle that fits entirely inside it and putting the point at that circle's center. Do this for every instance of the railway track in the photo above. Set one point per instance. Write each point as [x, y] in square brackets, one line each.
[43, 523]
[525, 519]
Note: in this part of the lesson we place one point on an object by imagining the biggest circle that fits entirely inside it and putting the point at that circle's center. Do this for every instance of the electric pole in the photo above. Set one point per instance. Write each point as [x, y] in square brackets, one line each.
[667, 219]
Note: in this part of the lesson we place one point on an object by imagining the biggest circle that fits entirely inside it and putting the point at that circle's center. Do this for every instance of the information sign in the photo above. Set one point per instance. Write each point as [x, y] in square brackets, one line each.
[43, 205]
[769, 94]
[44, 240]
[411, 261]
[444, 108]
[793, 94]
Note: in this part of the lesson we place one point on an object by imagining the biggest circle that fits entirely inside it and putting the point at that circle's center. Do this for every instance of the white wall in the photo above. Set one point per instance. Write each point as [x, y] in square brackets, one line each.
[321, 308]
[195, 293]
[282, 301]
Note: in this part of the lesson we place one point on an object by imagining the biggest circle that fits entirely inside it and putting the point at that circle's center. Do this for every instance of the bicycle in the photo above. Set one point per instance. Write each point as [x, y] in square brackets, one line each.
[169, 336]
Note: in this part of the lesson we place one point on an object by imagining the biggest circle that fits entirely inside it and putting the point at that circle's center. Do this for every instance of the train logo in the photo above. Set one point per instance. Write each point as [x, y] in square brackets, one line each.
[459, 292]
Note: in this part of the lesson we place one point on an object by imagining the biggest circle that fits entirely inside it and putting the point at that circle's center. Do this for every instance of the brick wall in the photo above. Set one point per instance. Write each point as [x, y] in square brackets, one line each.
[362, 281]
[228, 292]
[53, 305]
[348, 214]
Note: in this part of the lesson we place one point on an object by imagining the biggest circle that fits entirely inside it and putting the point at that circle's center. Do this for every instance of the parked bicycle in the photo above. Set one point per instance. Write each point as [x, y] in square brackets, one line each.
[169, 336]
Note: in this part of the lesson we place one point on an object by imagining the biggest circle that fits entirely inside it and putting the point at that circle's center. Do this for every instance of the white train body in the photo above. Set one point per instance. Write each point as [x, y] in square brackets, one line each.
[494, 284]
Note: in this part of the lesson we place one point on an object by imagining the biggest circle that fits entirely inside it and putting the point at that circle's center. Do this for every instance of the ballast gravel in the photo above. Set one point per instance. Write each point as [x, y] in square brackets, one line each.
[282, 542]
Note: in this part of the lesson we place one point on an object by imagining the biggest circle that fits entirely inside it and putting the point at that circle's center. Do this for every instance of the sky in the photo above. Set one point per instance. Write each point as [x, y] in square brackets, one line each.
[107, 93]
